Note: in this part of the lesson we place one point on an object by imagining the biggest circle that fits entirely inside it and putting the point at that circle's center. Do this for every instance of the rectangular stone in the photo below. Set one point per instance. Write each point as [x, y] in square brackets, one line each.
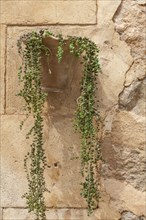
[51, 214]
[1, 213]
[14, 104]
[2, 67]
[13, 149]
[62, 174]
[48, 12]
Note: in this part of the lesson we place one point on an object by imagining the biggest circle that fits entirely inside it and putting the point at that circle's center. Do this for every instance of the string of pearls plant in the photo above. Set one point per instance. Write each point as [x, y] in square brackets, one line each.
[31, 48]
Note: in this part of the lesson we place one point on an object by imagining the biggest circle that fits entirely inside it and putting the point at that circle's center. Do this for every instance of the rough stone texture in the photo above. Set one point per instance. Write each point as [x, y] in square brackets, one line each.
[123, 159]
[124, 155]
[2, 66]
[115, 56]
[125, 197]
[141, 2]
[48, 12]
[124, 130]
[131, 95]
[131, 27]
[131, 216]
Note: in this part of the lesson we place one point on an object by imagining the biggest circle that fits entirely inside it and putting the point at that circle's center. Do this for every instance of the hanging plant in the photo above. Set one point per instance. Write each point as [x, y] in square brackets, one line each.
[31, 48]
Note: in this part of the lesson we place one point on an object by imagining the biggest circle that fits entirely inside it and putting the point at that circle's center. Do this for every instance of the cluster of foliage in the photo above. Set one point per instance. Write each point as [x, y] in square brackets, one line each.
[31, 48]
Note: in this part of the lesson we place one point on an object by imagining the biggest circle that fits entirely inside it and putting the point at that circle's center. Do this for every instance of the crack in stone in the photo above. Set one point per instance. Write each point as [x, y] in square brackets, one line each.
[124, 84]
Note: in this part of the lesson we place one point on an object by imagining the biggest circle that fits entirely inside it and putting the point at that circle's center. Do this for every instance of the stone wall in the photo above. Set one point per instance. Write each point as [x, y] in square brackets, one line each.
[117, 27]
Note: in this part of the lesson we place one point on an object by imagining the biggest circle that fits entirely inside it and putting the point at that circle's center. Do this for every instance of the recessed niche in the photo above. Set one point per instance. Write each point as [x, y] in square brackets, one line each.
[61, 81]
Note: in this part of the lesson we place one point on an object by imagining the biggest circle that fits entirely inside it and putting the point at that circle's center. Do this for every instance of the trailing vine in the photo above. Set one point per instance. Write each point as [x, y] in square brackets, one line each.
[31, 49]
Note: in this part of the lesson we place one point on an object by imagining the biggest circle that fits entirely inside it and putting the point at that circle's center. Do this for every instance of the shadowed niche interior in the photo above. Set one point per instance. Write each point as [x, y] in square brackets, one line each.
[61, 81]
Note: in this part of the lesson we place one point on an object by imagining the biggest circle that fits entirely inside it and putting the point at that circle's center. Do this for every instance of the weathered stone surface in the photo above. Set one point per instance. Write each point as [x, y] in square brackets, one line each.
[131, 216]
[141, 2]
[51, 214]
[130, 96]
[13, 149]
[14, 104]
[125, 197]
[131, 27]
[105, 211]
[121, 131]
[122, 82]
[14, 213]
[48, 12]
[2, 67]
[139, 108]
[124, 149]
[62, 175]
[115, 56]
[1, 213]
[111, 46]
[62, 214]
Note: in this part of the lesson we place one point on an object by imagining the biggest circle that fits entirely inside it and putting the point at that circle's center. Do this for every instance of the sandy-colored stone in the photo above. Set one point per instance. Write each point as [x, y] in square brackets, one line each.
[110, 58]
[124, 149]
[62, 175]
[128, 215]
[14, 104]
[48, 12]
[131, 27]
[125, 125]
[105, 211]
[125, 197]
[141, 2]
[120, 37]
[2, 67]
[52, 214]
[14, 213]
[115, 57]
[1, 213]
[13, 149]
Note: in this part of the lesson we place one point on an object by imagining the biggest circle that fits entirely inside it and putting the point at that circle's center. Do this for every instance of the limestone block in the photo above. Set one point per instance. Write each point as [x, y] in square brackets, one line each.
[51, 214]
[125, 197]
[105, 211]
[17, 214]
[125, 125]
[115, 57]
[48, 12]
[132, 30]
[102, 10]
[124, 149]
[62, 174]
[2, 68]
[13, 149]
[111, 80]
[14, 104]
